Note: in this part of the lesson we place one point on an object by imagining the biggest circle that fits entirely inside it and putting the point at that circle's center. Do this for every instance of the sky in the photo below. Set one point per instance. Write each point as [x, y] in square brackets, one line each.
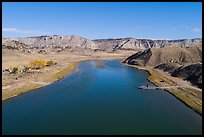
[101, 20]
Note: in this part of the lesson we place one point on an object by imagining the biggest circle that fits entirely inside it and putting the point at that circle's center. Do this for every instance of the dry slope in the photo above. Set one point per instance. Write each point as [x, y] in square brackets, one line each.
[184, 62]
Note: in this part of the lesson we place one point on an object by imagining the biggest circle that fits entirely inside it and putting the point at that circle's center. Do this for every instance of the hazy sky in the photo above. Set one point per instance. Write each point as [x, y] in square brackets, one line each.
[93, 20]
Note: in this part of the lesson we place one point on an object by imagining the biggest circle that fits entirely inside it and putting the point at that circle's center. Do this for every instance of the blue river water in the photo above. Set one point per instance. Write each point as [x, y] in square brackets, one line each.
[100, 97]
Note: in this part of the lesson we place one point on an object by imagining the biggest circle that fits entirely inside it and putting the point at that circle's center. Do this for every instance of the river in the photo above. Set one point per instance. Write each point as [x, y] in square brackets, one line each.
[100, 97]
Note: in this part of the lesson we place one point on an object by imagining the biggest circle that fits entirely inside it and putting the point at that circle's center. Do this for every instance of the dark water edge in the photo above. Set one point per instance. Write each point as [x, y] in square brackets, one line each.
[99, 98]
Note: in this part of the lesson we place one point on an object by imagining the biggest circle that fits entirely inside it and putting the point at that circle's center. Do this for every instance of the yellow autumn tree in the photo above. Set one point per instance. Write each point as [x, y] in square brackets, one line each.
[37, 64]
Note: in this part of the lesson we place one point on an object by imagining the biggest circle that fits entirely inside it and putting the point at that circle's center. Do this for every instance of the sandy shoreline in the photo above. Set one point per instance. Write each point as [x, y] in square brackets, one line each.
[193, 102]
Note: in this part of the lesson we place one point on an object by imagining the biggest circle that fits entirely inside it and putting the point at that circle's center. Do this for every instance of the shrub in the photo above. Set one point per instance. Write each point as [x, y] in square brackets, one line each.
[50, 63]
[13, 70]
[26, 68]
[10, 47]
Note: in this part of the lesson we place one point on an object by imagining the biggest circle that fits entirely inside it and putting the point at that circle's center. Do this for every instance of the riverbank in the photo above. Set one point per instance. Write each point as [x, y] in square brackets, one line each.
[32, 86]
[14, 85]
[188, 94]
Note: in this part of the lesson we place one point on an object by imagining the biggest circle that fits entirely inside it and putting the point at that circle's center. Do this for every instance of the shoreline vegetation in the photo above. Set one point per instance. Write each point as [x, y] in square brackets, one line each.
[8, 94]
[190, 97]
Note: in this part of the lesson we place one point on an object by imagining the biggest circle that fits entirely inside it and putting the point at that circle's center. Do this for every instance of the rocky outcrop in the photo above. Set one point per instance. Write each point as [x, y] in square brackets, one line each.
[137, 44]
[107, 45]
[157, 56]
[141, 58]
[192, 73]
[184, 62]
[58, 41]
